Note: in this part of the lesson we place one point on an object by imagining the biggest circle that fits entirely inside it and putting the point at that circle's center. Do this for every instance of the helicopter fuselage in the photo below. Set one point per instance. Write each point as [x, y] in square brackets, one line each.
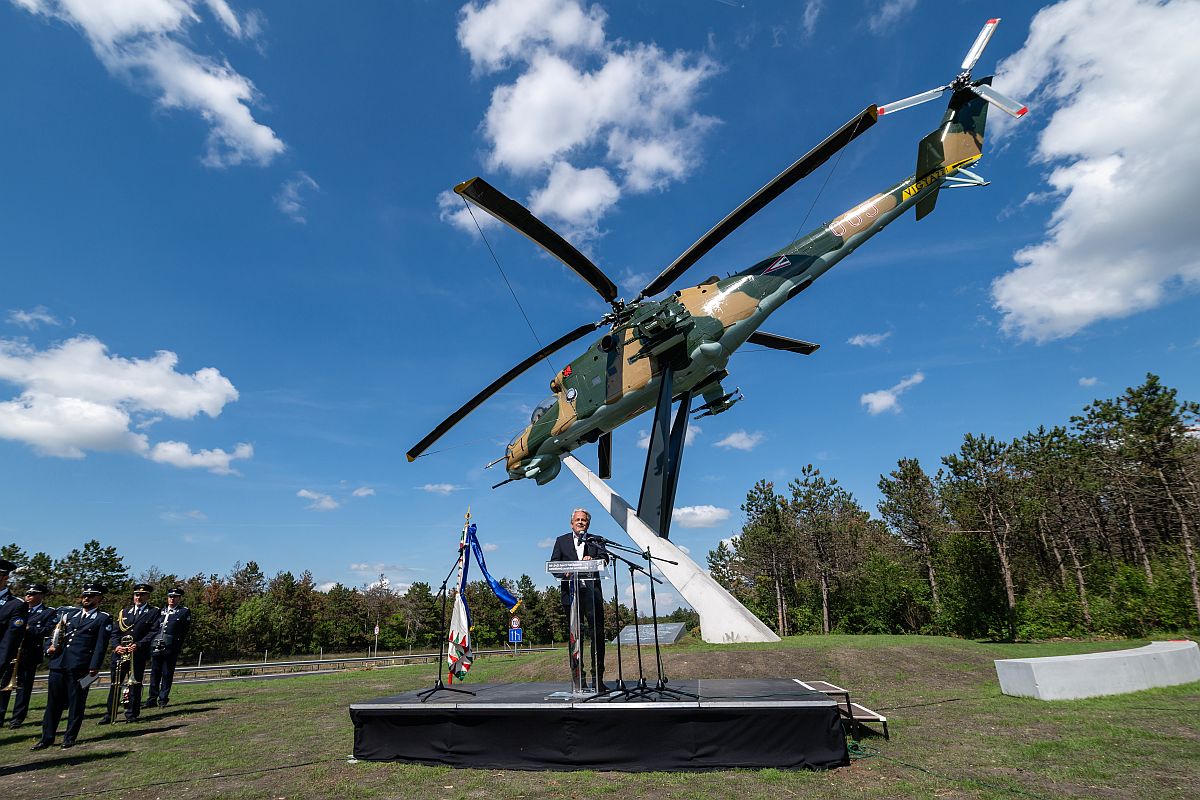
[699, 328]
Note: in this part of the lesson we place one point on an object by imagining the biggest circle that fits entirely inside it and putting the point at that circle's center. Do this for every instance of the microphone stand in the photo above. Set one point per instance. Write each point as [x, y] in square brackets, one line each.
[661, 686]
[623, 690]
[439, 686]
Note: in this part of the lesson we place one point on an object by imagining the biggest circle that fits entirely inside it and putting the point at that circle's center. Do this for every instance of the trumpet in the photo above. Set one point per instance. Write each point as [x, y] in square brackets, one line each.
[14, 678]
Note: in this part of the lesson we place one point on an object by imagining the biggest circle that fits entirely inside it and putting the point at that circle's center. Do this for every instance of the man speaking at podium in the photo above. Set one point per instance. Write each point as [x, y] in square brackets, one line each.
[578, 546]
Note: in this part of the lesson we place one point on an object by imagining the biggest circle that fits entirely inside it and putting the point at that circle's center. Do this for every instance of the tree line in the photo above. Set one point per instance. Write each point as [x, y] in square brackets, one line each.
[1081, 529]
[244, 613]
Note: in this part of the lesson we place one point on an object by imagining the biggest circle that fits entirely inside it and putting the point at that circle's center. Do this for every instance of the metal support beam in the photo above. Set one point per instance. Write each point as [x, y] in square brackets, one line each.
[722, 618]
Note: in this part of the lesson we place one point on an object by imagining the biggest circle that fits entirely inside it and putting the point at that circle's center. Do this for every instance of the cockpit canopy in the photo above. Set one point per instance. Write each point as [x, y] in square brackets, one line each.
[542, 407]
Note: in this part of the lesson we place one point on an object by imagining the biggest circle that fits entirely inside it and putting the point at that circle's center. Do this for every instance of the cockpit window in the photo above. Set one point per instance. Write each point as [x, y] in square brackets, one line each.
[542, 408]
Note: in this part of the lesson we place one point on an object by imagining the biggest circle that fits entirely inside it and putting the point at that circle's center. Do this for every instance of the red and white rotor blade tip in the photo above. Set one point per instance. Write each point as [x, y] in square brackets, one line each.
[909, 102]
[1001, 101]
[981, 41]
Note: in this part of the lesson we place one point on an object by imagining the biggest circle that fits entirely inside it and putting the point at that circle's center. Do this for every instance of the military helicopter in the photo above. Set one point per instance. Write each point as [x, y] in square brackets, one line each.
[659, 351]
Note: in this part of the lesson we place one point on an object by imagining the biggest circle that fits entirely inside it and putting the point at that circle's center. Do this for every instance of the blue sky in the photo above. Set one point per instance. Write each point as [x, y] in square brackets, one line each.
[233, 292]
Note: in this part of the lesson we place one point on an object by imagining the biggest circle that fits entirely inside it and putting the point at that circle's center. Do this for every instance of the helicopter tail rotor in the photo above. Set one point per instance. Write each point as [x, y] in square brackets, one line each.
[964, 82]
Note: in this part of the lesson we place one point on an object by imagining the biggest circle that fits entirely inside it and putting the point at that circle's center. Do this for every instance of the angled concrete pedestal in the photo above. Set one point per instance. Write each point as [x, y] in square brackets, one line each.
[722, 618]
[1097, 674]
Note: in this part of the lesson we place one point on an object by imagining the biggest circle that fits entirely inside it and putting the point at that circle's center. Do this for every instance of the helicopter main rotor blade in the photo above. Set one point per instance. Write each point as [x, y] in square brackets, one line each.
[981, 42]
[496, 385]
[522, 220]
[915, 100]
[1000, 101]
[776, 342]
[777, 186]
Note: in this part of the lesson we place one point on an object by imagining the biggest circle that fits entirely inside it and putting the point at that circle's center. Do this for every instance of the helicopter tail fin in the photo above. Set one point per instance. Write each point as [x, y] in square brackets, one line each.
[957, 142]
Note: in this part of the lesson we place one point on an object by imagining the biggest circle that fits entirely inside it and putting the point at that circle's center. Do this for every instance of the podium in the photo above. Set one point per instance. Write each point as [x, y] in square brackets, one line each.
[588, 571]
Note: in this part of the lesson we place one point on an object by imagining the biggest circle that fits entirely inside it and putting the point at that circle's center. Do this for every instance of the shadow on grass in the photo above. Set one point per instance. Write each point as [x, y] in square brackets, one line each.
[128, 732]
[61, 761]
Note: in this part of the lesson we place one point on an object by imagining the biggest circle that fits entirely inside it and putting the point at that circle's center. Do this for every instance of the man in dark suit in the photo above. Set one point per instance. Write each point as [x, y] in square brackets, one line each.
[173, 625]
[39, 619]
[12, 629]
[576, 546]
[75, 662]
[132, 639]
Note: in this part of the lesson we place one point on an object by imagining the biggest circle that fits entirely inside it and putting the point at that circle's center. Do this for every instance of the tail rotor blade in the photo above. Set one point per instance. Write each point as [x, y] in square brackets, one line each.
[604, 451]
[981, 41]
[915, 100]
[1001, 101]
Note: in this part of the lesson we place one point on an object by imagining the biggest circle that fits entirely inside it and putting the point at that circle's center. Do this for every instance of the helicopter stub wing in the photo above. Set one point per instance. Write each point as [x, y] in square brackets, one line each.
[522, 220]
[776, 342]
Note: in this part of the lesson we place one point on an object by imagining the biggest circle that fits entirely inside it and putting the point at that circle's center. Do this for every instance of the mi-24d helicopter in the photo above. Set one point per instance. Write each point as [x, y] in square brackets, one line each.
[658, 351]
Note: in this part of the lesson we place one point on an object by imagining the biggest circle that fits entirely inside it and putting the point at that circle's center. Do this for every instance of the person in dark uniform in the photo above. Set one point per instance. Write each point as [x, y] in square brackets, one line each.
[173, 624]
[77, 648]
[575, 546]
[12, 630]
[39, 619]
[135, 627]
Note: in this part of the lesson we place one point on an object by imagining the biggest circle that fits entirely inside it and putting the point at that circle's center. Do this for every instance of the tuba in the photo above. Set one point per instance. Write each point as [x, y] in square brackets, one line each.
[121, 678]
[13, 681]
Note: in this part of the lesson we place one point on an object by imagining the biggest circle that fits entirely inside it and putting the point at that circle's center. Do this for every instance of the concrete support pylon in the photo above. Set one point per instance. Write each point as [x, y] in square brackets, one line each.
[723, 619]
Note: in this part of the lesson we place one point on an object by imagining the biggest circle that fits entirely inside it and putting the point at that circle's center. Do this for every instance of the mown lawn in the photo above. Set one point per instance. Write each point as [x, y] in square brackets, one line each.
[953, 735]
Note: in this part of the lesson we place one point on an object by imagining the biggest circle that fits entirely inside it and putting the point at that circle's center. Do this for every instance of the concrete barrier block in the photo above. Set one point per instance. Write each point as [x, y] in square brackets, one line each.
[1098, 674]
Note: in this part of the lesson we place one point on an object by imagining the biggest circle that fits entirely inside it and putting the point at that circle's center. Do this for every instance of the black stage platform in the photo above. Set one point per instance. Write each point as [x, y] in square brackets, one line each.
[773, 722]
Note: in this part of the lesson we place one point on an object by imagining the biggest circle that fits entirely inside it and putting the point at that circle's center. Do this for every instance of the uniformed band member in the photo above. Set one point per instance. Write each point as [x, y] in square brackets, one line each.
[172, 628]
[78, 655]
[12, 629]
[136, 625]
[39, 619]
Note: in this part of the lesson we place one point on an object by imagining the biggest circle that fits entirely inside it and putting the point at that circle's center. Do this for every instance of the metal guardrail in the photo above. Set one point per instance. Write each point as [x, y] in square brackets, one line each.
[277, 669]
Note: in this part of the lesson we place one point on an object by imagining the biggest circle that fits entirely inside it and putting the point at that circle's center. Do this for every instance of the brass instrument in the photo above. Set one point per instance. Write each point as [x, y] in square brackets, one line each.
[121, 678]
[60, 627]
[13, 678]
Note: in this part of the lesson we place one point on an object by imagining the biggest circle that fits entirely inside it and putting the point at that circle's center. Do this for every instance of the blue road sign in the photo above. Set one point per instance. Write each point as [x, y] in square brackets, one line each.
[514, 635]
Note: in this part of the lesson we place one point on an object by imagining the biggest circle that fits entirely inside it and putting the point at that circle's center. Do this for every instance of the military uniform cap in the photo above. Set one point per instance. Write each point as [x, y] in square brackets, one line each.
[36, 588]
[175, 591]
[93, 588]
[6, 566]
[143, 587]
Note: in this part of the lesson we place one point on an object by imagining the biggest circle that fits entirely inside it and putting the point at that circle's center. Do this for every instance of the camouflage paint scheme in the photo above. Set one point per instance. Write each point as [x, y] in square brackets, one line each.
[616, 379]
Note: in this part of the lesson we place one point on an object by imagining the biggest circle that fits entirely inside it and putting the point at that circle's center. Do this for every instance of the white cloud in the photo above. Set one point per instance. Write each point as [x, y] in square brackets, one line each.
[1088, 381]
[320, 501]
[490, 547]
[363, 491]
[812, 12]
[180, 516]
[665, 601]
[454, 210]
[692, 432]
[290, 198]
[75, 397]
[699, 516]
[367, 568]
[326, 586]
[583, 108]
[497, 33]
[888, 14]
[149, 43]
[178, 454]
[546, 543]
[578, 197]
[888, 399]
[38, 315]
[440, 488]
[868, 339]
[1119, 148]
[740, 440]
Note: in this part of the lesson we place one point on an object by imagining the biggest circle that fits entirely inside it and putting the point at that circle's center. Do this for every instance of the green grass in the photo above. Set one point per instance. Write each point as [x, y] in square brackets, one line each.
[953, 735]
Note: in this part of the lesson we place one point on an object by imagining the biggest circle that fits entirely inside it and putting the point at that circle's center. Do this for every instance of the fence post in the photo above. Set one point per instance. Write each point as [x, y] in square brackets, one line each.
[200, 660]
[264, 656]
